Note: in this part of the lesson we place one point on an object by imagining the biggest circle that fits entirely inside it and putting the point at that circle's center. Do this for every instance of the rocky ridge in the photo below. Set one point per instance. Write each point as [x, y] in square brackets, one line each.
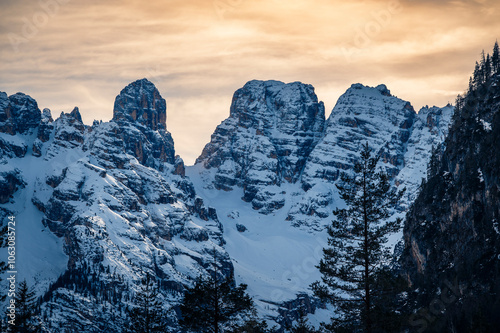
[245, 150]
[271, 130]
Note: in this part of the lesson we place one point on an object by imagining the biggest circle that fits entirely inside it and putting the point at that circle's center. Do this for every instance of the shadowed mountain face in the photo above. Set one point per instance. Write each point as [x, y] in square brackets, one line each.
[452, 234]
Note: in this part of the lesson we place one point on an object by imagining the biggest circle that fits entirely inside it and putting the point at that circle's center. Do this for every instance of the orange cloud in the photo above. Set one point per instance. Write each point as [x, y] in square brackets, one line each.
[198, 52]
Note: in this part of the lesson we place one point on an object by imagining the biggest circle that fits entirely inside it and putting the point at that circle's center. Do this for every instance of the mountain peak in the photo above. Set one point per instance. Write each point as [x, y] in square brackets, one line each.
[266, 140]
[270, 98]
[381, 88]
[140, 102]
[18, 113]
[76, 114]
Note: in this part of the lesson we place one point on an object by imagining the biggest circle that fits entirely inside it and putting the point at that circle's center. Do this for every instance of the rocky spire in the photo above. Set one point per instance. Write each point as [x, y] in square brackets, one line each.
[141, 102]
[140, 105]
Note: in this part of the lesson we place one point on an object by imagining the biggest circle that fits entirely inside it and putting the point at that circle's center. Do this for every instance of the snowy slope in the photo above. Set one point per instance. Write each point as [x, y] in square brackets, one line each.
[429, 131]
[276, 260]
[40, 256]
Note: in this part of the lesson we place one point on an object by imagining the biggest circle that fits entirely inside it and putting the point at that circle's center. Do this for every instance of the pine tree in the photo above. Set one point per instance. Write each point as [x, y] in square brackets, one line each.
[302, 325]
[471, 86]
[387, 306]
[477, 76]
[356, 252]
[433, 165]
[147, 314]
[495, 59]
[487, 68]
[211, 303]
[482, 65]
[26, 308]
[252, 325]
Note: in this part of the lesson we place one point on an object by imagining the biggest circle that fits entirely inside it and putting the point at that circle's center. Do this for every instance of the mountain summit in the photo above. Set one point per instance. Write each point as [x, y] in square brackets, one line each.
[271, 130]
[141, 102]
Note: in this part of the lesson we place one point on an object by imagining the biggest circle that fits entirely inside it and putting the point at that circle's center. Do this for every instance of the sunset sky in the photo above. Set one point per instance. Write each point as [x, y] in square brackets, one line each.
[67, 53]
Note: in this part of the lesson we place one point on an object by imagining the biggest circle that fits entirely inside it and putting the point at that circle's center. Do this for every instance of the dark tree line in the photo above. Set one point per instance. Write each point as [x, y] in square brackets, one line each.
[487, 68]
[147, 314]
[215, 304]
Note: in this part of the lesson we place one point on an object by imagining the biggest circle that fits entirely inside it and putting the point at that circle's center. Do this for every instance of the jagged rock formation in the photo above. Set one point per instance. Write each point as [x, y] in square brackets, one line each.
[452, 238]
[141, 114]
[401, 138]
[270, 132]
[428, 134]
[362, 114]
[114, 193]
[271, 139]
[19, 113]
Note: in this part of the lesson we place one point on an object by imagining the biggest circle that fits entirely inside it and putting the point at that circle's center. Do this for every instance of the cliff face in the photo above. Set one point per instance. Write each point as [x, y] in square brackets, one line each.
[271, 130]
[18, 113]
[362, 115]
[428, 133]
[141, 114]
[452, 235]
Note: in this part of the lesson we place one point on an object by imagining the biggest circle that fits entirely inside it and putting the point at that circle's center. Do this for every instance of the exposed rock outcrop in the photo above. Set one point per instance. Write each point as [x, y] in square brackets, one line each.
[18, 113]
[140, 112]
[271, 130]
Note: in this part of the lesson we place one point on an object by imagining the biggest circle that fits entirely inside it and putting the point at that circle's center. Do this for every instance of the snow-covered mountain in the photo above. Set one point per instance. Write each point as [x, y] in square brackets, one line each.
[274, 209]
[245, 151]
[99, 205]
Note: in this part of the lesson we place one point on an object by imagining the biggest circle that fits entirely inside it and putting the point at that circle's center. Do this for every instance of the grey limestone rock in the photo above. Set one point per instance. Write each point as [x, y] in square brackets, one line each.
[271, 130]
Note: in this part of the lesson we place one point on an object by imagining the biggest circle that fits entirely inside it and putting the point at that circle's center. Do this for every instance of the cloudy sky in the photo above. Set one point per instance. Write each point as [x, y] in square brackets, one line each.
[67, 53]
